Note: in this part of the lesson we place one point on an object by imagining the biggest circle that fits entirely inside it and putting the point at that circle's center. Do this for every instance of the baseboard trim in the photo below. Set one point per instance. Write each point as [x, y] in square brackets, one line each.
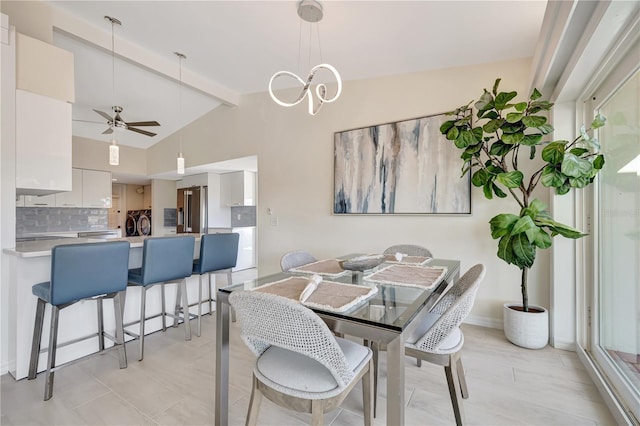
[484, 321]
[6, 367]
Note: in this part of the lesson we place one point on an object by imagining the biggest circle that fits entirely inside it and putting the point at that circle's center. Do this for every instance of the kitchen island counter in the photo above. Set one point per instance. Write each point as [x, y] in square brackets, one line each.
[29, 263]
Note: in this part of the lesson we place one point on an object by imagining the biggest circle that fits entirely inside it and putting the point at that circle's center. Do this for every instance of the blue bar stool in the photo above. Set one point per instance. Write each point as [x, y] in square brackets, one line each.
[165, 260]
[79, 272]
[218, 253]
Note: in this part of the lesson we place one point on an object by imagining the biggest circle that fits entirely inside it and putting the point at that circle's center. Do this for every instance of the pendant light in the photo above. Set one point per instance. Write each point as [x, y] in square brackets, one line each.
[114, 149]
[180, 162]
[309, 11]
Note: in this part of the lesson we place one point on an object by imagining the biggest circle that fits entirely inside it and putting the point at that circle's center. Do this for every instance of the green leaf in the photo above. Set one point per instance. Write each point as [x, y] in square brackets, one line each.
[514, 117]
[534, 120]
[446, 126]
[477, 133]
[599, 121]
[487, 189]
[538, 106]
[510, 179]
[520, 106]
[473, 149]
[534, 209]
[539, 238]
[453, 133]
[545, 129]
[579, 151]
[512, 127]
[524, 252]
[553, 153]
[579, 182]
[463, 121]
[502, 224]
[489, 114]
[502, 98]
[558, 228]
[495, 85]
[598, 162]
[480, 177]
[485, 101]
[499, 148]
[564, 188]
[535, 94]
[532, 139]
[505, 251]
[522, 225]
[499, 192]
[532, 155]
[573, 166]
[552, 177]
[512, 138]
[492, 126]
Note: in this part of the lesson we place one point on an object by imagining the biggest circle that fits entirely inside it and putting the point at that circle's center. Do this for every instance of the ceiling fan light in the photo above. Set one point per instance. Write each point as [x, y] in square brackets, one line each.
[180, 164]
[114, 154]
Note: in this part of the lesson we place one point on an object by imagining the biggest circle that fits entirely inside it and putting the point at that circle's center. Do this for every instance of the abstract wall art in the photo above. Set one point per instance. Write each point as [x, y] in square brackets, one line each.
[406, 167]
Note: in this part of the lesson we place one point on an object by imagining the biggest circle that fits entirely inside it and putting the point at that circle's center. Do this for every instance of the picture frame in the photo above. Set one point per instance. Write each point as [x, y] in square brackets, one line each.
[402, 167]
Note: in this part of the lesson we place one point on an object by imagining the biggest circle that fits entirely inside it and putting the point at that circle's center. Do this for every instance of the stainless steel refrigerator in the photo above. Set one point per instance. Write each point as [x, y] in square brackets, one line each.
[192, 210]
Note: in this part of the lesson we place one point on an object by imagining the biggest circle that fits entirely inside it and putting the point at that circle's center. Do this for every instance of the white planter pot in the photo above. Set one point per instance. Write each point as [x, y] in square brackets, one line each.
[527, 329]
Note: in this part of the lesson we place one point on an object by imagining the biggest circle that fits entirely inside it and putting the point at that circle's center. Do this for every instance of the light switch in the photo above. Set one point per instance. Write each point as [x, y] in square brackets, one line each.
[239, 216]
[274, 220]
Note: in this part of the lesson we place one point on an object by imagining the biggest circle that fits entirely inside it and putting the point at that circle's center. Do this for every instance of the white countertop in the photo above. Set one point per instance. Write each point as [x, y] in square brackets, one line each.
[43, 248]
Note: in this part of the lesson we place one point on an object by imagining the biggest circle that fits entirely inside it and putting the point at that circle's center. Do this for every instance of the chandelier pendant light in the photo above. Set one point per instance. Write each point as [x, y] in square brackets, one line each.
[114, 149]
[309, 11]
[180, 160]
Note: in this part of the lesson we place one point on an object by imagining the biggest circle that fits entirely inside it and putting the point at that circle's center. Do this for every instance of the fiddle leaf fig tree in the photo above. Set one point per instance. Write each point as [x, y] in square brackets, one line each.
[491, 154]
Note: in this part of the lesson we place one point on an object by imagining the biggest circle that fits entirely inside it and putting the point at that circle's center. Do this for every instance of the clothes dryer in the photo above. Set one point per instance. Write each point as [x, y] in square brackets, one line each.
[131, 224]
[144, 223]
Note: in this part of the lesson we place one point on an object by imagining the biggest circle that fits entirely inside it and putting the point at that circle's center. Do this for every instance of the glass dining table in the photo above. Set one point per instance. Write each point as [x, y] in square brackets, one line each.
[387, 317]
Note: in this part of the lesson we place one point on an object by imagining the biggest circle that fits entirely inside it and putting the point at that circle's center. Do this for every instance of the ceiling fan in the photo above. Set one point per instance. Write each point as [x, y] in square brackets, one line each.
[117, 122]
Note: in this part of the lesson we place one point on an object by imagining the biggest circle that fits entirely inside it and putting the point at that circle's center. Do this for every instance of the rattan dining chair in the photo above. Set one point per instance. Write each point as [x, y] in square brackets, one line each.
[438, 339]
[301, 365]
[409, 249]
[293, 259]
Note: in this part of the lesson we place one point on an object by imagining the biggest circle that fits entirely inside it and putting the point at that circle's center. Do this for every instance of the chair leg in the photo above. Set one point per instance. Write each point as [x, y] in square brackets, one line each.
[51, 362]
[463, 380]
[176, 311]
[418, 362]
[117, 308]
[317, 412]
[143, 299]
[451, 371]
[199, 329]
[375, 348]
[254, 404]
[37, 337]
[229, 282]
[185, 309]
[164, 308]
[367, 394]
[100, 324]
[210, 294]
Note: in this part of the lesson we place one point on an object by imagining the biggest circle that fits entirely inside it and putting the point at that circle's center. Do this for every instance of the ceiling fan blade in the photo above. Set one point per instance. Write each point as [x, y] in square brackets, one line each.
[108, 131]
[104, 114]
[144, 132]
[88, 121]
[143, 123]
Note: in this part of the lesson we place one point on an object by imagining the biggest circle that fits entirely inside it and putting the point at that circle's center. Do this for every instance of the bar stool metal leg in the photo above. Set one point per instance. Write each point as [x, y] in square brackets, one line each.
[51, 363]
[117, 307]
[176, 310]
[199, 329]
[100, 324]
[164, 308]
[37, 337]
[143, 297]
[182, 287]
[210, 294]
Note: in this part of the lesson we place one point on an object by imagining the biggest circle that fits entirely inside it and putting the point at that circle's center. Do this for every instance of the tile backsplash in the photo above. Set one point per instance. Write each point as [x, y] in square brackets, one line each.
[243, 216]
[31, 220]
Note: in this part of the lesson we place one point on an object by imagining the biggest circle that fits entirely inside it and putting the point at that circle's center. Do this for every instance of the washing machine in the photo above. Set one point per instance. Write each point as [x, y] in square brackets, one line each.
[144, 222]
[131, 224]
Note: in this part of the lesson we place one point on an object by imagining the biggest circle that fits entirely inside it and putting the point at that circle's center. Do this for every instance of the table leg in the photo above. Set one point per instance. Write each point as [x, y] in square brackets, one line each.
[395, 381]
[222, 359]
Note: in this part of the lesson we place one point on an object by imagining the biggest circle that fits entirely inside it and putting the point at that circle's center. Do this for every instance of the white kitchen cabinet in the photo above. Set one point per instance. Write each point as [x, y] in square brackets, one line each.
[72, 198]
[43, 144]
[96, 188]
[40, 200]
[238, 189]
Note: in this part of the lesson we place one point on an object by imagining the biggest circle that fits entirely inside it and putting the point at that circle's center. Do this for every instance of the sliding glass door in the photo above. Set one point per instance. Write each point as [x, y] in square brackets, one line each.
[615, 306]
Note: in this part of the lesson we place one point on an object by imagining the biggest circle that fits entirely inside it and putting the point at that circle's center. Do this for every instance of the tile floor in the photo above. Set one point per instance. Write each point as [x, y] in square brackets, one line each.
[174, 385]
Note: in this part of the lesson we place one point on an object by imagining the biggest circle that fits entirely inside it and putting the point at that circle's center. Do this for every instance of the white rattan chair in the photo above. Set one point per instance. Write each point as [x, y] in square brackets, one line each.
[438, 339]
[293, 259]
[409, 249]
[301, 365]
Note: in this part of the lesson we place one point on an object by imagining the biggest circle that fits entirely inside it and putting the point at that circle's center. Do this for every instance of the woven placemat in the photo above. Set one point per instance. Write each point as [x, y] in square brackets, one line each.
[408, 260]
[425, 277]
[328, 296]
[327, 268]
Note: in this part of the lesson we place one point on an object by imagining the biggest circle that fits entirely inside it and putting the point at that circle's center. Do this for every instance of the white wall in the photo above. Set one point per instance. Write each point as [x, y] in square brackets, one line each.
[163, 196]
[295, 159]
